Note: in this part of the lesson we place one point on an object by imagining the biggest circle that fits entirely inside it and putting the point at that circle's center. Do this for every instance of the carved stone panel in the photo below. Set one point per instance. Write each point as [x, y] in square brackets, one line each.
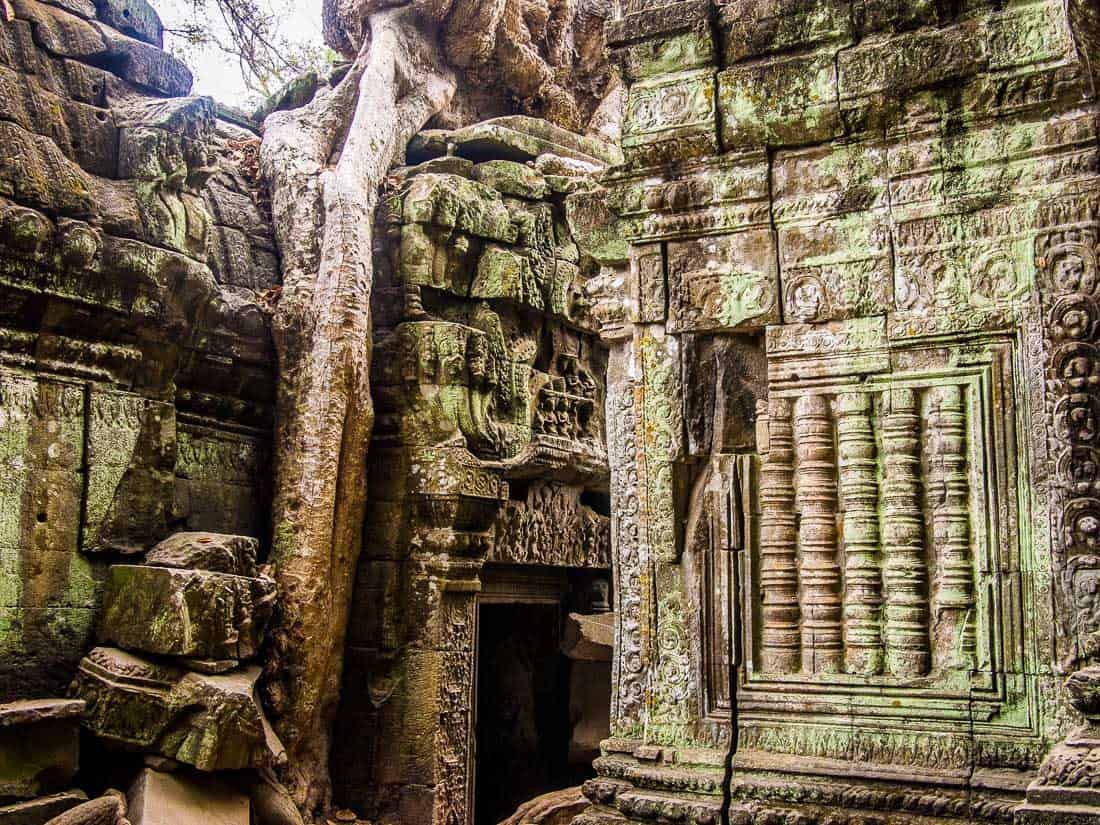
[723, 283]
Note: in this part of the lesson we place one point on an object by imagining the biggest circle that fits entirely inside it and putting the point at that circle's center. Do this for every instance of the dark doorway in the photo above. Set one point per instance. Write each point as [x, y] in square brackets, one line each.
[523, 724]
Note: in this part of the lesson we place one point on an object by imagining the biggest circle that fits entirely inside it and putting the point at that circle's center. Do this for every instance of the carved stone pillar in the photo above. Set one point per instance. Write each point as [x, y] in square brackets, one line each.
[862, 563]
[822, 648]
[778, 545]
[951, 521]
[905, 571]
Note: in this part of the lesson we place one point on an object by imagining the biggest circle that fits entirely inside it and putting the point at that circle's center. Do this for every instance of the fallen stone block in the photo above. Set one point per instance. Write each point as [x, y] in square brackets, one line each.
[41, 810]
[214, 552]
[179, 799]
[191, 613]
[211, 722]
[106, 810]
[39, 746]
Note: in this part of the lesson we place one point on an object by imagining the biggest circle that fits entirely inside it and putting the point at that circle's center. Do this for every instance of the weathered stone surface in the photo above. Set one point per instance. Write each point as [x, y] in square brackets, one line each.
[39, 746]
[456, 203]
[86, 134]
[512, 138]
[158, 798]
[135, 18]
[511, 178]
[787, 102]
[723, 282]
[191, 613]
[106, 810]
[41, 810]
[34, 171]
[212, 722]
[215, 552]
[145, 65]
[589, 638]
[671, 117]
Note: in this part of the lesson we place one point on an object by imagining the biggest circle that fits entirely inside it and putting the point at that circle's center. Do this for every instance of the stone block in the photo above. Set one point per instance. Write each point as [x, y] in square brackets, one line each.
[145, 65]
[595, 229]
[515, 137]
[105, 810]
[237, 210]
[230, 256]
[506, 273]
[647, 264]
[836, 268]
[39, 746]
[671, 118]
[874, 77]
[766, 27]
[158, 798]
[215, 552]
[61, 33]
[41, 810]
[135, 18]
[211, 722]
[723, 282]
[35, 172]
[512, 178]
[783, 102]
[678, 52]
[85, 134]
[131, 454]
[589, 638]
[81, 8]
[191, 613]
[658, 20]
[457, 203]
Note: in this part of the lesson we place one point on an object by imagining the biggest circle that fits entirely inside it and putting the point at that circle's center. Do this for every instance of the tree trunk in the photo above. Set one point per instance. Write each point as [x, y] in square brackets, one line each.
[324, 164]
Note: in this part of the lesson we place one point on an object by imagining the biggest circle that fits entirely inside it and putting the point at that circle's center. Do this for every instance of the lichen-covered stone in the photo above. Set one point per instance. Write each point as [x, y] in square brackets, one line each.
[512, 178]
[457, 203]
[191, 613]
[215, 552]
[211, 722]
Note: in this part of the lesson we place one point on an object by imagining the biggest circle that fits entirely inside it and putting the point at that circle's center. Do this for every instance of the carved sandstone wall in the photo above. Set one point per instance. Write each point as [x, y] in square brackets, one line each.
[135, 362]
[868, 227]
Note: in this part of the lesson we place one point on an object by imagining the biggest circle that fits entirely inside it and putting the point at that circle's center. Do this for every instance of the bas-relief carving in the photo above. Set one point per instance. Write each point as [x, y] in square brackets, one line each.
[552, 528]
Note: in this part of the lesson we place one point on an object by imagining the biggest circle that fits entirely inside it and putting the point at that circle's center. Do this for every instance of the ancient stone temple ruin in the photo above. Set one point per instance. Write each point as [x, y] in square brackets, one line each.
[563, 411]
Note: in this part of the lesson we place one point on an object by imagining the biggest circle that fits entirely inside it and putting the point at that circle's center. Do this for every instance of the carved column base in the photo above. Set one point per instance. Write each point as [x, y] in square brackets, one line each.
[1067, 791]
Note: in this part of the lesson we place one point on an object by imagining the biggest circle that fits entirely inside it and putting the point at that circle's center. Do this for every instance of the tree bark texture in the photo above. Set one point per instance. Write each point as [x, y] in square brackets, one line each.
[324, 164]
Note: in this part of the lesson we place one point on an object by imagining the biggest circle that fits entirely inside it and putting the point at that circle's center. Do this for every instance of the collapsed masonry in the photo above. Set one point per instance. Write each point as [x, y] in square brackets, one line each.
[803, 363]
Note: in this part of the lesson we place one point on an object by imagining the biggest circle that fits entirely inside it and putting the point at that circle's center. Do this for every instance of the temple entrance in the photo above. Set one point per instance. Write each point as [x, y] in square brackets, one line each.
[540, 711]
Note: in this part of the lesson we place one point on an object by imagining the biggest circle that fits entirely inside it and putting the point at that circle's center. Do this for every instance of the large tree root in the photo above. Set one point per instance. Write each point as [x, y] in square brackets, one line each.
[324, 164]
